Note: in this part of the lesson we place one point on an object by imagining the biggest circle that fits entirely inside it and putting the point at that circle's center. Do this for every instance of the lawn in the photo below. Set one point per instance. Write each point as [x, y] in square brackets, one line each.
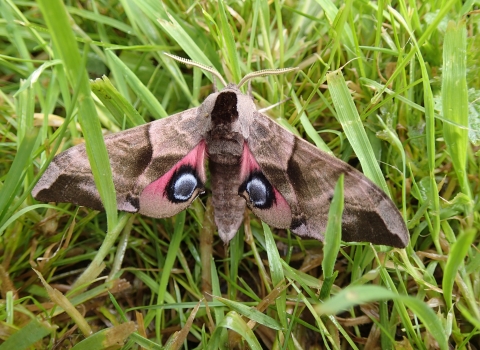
[390, 87]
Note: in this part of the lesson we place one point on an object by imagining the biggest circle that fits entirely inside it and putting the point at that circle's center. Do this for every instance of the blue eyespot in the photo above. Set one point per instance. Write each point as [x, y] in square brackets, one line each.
[182, 184]
[257, 191]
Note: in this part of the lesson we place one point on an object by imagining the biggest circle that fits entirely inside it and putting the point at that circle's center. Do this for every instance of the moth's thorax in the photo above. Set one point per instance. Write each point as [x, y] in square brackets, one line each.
[229, 115]
[225, 151]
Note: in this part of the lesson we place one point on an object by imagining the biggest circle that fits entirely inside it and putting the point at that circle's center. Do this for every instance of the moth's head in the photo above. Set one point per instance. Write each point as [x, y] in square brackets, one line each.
[228, 109]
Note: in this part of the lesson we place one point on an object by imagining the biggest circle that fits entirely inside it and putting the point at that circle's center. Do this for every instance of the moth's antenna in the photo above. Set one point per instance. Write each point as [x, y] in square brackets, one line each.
[264, 72]
[273, 106]
[199, 65]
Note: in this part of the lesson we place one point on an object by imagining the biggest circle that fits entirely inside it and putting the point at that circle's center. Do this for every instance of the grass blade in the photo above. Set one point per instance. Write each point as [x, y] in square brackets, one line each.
[58, 23]
[251, 313]
[168, 265]
[356, 295]
[141, 90]
[107, 338]
[230, 46]
[234, 322]
[352, 125]
[333, 237]
[454, 263]
[28, 335]
[118, 105]
[14, 178]
[455, 99]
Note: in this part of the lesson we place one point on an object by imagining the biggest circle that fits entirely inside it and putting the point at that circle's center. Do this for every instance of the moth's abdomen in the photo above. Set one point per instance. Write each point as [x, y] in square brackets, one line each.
[229, 207]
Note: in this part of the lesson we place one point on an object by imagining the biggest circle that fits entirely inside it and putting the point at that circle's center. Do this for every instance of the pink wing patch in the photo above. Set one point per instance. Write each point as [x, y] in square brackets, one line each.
[175, 190]
[261, 196]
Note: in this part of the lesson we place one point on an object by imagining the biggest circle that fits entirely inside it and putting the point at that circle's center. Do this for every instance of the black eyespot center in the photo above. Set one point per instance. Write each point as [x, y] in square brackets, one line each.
[260, 193]
[182, 184]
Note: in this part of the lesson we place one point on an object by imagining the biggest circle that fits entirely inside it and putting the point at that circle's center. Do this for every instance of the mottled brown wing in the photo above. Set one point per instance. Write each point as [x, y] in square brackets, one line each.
[306, 178]
[138, 157]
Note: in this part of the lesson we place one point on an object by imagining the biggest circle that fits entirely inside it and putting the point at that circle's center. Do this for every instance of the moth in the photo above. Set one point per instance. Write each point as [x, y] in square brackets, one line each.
[159, 169]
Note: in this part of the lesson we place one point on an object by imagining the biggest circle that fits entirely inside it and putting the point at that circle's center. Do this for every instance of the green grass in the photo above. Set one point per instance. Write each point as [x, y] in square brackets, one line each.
[395, 84]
